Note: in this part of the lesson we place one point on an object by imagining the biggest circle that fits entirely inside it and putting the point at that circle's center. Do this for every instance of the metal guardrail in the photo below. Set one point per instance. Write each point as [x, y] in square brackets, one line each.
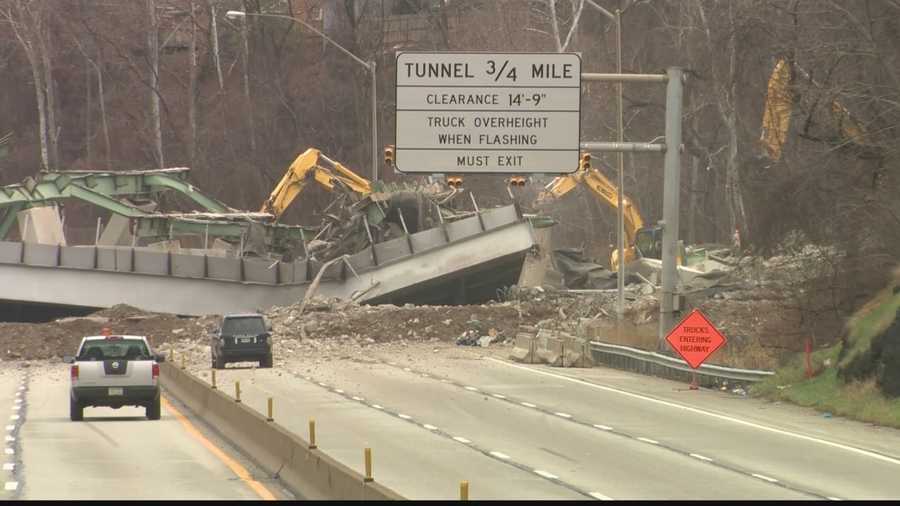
[657, 364]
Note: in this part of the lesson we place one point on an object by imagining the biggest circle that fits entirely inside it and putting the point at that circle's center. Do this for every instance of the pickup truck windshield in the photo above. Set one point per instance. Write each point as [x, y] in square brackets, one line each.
[249, 326]
[123, 349]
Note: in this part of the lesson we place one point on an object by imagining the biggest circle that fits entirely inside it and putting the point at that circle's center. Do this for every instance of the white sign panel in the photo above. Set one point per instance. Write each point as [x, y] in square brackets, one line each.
[488, 113]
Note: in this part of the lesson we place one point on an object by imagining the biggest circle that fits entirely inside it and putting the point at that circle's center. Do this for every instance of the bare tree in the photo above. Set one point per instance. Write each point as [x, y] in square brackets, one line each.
[28, 20]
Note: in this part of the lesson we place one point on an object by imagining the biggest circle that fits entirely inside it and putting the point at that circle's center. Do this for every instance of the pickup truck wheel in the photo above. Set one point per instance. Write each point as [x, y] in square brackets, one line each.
[153, 409]
[76, 410]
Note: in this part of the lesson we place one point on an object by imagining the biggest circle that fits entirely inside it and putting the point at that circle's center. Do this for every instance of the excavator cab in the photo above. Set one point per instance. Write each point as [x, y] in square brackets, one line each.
[648, 242]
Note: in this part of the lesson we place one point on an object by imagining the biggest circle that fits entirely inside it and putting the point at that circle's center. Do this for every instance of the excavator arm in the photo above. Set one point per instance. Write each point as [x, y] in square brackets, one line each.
[608, 193]
[312, 165]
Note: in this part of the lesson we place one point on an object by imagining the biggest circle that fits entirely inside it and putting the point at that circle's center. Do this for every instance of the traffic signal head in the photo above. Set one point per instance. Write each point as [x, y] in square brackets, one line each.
[585, 161]
[517, 181]
[389, 155]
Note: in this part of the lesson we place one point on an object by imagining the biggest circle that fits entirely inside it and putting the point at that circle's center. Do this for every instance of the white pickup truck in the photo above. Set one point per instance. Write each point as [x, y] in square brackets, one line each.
[114, 371]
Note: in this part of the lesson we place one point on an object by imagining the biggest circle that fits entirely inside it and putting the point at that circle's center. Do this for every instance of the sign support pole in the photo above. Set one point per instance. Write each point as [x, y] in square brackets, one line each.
[671, 193]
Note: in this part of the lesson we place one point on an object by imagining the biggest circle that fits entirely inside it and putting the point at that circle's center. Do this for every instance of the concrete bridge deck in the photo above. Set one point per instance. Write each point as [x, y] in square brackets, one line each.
[481, 252]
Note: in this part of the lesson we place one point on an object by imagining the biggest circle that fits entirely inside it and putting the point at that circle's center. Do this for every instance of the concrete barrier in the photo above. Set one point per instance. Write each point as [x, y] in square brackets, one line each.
[523, 348]
[77, 257]
[309, 474]
[576, 352]
[41, 254]
[260, 271]
[10, 252]
[549, 349]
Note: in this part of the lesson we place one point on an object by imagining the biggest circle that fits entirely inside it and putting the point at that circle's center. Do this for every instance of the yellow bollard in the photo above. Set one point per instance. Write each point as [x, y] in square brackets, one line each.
[312, 434]
[464, 491]
[269, 418]
[368, 466]
[237, 391]
[213, 379]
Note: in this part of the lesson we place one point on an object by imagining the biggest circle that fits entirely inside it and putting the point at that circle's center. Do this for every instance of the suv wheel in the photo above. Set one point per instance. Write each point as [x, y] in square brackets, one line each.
[153, 409]
[76, 410]
[266, 362]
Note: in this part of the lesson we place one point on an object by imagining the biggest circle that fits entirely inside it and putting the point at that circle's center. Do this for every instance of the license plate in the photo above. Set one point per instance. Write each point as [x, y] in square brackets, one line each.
[247, 340]
[116, 391]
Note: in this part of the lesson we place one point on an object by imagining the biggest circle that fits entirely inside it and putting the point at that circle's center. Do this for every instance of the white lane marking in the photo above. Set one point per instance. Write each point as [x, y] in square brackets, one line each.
[545, 474]
[405, 417]
[376, 406]
[21, 388]
[11, 485]
[499, 396]
[429, 427]
[599, 496]
[10, 439]
[322, 385]
[338, 390]
[307, 378]
[648, 440]
[764, 477]
[16, 407]
[18, 401]
[425, 375]
[445, 380]
[10, 428]
[732, 419]
[528, 404]
[407, 369]
[602, 427]
[701, 457]
[563, 415]
[499, 455]
[19, 393]
[835, 499]
[14, 417]
[355, 398]
[9, 451]
[472, 389]
[9, 466]
[461, 440]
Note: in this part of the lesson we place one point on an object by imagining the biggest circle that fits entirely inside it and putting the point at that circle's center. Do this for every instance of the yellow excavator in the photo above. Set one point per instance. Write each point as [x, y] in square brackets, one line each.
[312, 165]
[639, 240]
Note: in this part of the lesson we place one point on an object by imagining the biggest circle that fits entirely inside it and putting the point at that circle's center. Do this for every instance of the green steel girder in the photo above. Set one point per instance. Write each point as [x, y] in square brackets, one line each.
[9, 218]
[58, 185]
[150, 226]
[188, 190]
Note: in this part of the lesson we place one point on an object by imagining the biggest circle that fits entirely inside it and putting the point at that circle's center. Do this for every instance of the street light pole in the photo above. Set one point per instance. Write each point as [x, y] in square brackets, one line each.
[370, 66]
[620, 211]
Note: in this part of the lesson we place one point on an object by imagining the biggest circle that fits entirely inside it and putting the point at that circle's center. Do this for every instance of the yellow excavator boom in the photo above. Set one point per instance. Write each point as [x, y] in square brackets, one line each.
[606, 191]
[312, 164]
[603, 188]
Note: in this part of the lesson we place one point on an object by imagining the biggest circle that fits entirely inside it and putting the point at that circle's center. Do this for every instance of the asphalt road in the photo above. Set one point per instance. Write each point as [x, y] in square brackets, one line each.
[539, 432]
[415, 461]
[119, 454]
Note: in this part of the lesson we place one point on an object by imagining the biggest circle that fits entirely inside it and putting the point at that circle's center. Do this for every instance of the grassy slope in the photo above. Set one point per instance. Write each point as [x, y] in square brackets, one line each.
[825, 392]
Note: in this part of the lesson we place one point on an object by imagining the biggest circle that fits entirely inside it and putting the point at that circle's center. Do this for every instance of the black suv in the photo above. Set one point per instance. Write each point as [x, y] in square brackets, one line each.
[242, 338]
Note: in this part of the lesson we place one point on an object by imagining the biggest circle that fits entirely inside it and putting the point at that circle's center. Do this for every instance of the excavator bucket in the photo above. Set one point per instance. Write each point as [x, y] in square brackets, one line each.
[777, 113]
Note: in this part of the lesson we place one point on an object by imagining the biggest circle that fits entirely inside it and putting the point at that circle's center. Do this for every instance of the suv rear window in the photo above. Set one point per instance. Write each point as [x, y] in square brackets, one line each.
[247, 326]
[123, 349]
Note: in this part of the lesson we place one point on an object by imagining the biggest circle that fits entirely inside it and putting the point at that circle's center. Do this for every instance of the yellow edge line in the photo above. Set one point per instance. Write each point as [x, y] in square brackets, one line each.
[232, 464]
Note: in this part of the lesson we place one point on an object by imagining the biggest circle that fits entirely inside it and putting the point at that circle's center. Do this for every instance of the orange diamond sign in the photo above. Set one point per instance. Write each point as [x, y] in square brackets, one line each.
[695, 338]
